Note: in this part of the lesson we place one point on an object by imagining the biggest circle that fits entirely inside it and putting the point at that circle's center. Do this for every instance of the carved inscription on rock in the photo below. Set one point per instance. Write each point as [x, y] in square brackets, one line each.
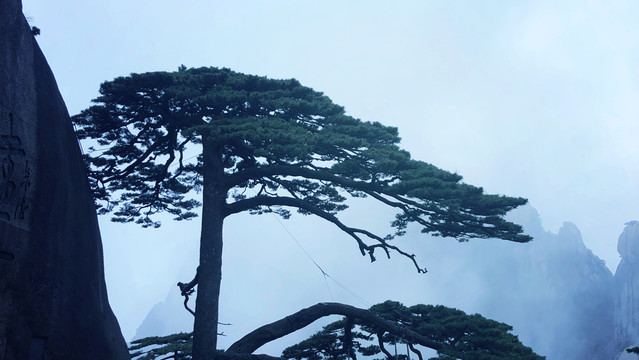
[15, 173]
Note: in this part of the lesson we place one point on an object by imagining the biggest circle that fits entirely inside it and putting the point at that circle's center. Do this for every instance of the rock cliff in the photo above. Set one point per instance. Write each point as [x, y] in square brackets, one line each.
[627, 288]
[53, 300]
[556, 294]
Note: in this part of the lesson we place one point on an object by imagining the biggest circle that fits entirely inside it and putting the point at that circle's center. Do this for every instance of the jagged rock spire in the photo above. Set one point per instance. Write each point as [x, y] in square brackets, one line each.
[627, 288]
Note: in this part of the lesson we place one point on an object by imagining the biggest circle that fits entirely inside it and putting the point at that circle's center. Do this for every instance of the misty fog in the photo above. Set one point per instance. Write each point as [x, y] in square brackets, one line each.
[531, 99]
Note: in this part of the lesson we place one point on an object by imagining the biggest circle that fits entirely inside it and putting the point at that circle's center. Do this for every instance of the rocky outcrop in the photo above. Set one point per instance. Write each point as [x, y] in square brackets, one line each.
[627, 288]
[53, 300]
[563, 296]
[579, 303]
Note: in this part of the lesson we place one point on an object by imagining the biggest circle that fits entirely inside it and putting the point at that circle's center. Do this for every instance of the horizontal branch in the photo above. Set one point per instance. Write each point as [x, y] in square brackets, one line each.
[267, 333]
[257, 201]
[129, 169]
[255, 173]
[418, 210]
[234, 356]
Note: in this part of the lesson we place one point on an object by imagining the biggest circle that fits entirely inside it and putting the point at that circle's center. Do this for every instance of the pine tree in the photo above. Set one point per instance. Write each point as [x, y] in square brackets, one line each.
[265, 146]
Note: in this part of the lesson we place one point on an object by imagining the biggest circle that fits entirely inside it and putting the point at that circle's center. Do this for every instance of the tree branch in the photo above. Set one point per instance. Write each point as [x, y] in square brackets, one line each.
[257, 201]
[118, 174]
[261, 200]
[255, 173]
[380, 342]
[181, 148]
[267, 333]
[413, 349]
[469, 224]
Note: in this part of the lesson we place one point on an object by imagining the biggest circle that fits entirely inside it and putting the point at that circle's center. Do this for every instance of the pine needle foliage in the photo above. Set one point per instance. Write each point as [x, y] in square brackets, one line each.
[280, 145]
[462, 336]
[170, 142]
[155, 347]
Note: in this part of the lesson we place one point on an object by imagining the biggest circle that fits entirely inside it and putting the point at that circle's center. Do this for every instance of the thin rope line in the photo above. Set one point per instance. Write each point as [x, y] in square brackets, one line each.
[300, 245]
[350, 292]
[324, 273]
[328, 287]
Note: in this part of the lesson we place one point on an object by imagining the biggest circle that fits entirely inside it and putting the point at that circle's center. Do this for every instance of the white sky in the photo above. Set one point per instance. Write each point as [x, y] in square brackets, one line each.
[538, 99]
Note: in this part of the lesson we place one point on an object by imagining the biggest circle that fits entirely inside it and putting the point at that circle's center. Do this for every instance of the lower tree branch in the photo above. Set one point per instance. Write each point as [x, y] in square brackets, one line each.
[355, 233]
[267, 333]
[413, 349]
[187, 289]
[380, 342]
[234, 356]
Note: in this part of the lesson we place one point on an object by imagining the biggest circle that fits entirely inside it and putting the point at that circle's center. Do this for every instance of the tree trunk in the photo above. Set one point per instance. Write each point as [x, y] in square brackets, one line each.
[210, 269]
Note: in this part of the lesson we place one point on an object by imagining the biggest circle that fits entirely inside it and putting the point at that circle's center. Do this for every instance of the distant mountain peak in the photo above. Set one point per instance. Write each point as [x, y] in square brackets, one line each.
[628, 245]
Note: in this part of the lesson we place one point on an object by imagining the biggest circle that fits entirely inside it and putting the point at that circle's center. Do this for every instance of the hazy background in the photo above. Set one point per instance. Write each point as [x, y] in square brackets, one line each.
[534, 99]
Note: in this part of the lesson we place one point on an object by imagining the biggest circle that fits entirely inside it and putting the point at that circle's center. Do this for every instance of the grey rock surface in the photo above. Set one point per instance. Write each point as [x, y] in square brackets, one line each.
[558, 296]
[53, 300]
[627, 288]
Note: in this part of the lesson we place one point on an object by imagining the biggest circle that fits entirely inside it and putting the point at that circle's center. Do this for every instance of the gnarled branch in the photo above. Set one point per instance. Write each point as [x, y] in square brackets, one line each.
[267, 333]
[355, 233]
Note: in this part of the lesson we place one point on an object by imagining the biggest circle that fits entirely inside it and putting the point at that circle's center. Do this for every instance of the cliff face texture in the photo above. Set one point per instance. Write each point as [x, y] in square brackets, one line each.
[578, 297]
[627, 288]
[53, 301]
[563, 294]
[569, 305]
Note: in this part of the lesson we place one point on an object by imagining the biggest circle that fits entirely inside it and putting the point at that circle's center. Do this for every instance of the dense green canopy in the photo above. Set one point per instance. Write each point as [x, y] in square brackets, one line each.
[459, 336]
[388, 330]
[161, 347]
[281, 145]
[258, 145]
